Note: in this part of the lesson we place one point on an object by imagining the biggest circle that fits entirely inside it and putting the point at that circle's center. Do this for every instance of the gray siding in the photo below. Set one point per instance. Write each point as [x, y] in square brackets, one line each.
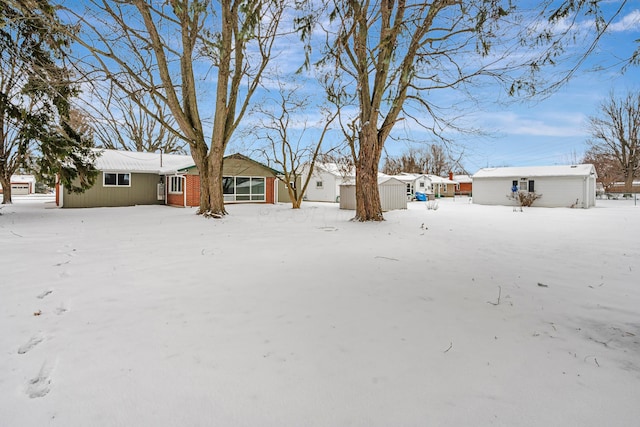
[143, 191]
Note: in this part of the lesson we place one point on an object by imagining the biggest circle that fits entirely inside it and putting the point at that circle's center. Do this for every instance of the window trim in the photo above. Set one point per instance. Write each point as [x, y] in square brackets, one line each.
[116, 185]
[233, 197]
[177, 179]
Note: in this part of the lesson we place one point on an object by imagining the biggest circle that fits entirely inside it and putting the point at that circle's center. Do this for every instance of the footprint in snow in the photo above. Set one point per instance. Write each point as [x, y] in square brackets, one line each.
[60, 310]
[45, 293]
[34, 341]
[40, 385]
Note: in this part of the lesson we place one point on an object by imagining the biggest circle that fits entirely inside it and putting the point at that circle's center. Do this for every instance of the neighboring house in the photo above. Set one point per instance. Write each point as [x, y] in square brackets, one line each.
[243, 180]
[618, 187]
[326, 180]
[393, 194]
[442, 187]
[22, 185]
[415, 183]
[128, 178]
[464, 185]
[559, 186]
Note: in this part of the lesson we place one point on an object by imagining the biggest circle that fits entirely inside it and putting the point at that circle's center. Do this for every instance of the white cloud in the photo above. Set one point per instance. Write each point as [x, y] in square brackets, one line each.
[630, 22]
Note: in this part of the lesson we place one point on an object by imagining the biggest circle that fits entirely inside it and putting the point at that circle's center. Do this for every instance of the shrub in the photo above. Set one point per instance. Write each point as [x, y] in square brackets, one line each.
[527, 199]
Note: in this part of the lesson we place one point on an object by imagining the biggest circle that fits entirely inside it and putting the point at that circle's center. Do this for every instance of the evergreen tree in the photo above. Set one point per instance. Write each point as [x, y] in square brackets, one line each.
[35, 93]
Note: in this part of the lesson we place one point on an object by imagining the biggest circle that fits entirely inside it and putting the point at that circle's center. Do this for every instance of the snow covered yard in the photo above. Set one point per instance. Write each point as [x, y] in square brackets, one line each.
[466, 315]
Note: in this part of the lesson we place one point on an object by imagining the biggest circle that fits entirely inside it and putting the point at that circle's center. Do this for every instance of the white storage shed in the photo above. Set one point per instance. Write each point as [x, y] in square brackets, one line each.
[393, 194]
[559, 186]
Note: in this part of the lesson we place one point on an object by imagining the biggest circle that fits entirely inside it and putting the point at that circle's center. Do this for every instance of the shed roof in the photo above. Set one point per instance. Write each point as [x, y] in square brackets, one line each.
[133, 161]
[536, 171]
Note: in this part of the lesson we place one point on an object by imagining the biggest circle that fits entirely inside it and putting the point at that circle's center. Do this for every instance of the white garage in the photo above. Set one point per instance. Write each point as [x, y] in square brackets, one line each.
[558, 186]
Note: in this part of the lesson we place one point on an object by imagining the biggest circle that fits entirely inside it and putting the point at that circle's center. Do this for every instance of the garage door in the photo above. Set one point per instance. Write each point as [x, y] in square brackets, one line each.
[20, 189]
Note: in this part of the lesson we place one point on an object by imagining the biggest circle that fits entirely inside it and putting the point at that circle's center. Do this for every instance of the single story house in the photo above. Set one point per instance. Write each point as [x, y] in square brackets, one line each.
[558, 186]
[618, 187]
[442, 187]
[128, 178]
[415, 183]
[464, 186]
[22, 185]
[326, 180]
[393, 194]
[243, 180]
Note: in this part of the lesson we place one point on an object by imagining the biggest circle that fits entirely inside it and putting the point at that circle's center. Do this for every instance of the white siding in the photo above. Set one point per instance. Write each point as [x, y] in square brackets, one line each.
[393, 195]
[348, 197]
[329, 190]
[555, 191]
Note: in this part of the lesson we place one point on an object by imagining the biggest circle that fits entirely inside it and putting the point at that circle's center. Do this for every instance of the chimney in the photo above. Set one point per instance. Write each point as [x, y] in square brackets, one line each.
[450, 176]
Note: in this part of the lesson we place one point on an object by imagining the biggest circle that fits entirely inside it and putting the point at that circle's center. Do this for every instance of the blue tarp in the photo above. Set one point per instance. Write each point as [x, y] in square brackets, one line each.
[421, 197]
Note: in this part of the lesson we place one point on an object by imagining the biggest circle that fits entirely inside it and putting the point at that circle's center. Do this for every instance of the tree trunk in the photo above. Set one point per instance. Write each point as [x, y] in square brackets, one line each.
[296, 201]
[368, 207]
[216, 196]
[628, 180]
[6, 190]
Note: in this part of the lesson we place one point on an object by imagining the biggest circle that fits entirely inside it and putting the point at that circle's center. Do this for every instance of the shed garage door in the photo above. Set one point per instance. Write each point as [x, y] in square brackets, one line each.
[20, 189]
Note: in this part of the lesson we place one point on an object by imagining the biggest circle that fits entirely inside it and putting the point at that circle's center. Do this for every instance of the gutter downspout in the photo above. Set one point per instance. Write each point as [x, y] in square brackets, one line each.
[184, 189]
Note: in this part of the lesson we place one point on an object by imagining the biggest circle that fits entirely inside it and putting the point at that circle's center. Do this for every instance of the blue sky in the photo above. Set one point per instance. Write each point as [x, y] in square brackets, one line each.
[552, 130]
[543, 132]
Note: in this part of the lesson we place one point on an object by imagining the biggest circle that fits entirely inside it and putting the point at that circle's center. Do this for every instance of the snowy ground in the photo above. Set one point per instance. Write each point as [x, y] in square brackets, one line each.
[462, 316]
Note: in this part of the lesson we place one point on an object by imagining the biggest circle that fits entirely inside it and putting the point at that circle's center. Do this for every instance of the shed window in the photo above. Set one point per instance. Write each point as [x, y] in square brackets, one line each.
[175, 184]
[318, 184]
[116, 179]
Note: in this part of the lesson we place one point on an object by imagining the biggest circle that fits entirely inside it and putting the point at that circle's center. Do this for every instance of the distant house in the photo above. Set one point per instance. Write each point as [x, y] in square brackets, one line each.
[559, 186]
[442, 187]
[415, 183]
[22, 185]
[618, 187]
[326, 180]
[393, 194]
[464, 184]
[129, 178]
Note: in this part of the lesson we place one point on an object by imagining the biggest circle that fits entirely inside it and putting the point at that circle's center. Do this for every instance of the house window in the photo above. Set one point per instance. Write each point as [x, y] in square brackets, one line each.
[243, 189]
[526, 185]
[523, 184]
[318, 184]
[116, 179]
[175, 184]
[421, 184]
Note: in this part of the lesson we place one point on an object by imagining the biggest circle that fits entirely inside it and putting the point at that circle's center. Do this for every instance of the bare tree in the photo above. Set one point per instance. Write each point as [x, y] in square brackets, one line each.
[288, 143]
[166, 50]
[120, 123]
[606, 165]
[388, 54]
[615, 133]
[413, 160]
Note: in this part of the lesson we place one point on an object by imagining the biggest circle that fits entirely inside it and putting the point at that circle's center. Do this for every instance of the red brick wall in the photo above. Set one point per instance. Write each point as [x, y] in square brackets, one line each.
[193, 190]
[465, 188]
[175, 199]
